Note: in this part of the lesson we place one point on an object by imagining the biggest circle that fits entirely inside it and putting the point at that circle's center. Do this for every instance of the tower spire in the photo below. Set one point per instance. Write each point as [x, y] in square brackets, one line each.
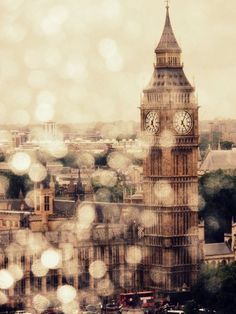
[168, 50]
[167, 5]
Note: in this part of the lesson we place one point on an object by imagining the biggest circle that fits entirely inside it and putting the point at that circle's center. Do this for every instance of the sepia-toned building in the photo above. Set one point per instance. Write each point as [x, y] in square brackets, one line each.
[148, 245]
[169, 123]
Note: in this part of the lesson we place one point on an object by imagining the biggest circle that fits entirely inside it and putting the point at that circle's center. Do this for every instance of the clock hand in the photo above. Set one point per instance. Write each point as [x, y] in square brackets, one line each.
[183, 124]
[185, 115]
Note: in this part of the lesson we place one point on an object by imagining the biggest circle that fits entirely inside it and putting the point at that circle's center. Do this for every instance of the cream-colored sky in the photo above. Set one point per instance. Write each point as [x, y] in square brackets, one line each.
[88, 60]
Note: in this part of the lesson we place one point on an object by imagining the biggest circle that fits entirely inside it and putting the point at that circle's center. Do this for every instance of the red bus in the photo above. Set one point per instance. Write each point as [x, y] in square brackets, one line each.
[143, 299]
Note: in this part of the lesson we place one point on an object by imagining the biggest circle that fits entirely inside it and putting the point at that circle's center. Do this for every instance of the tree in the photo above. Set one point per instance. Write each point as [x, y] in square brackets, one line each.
[218, 203]
[226, 145]
[204, 141]
[100, 160]
[191, 307]
[17, 184]
[69, 160]
[216, 289]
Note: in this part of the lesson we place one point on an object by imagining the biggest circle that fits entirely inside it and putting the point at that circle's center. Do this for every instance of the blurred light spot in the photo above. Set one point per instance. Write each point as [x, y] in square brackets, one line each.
[38, 269]
[3, 298]
[67, 251]
[103, 195]
[37, 172]
[110, 8]
[201, 202]
[6, 279]
[12, 5]
[167, 139]
[30, 198]
[66, 294]
[13, 248]
[130, 215]
[76, 95]
[126, 276]
[51, 23]
[164, 192]
[33, 58]
[148, 218]
[115, 64]
[16, 271]
[52, 57]
[71, 268]
[12, 32]
[85, 160]
[9, 68]
[104, 177]
[213, 184]
[20, 162]
[20, 117]
[22, 236]
[74, 69]
[71, 308]
[36, 243]
[40, 303]
[107, 48]
[57, 149]
[105, 287]
[213, 284]
[86, 214]
[155, 276]
[51, 258]
[110, 131]
[22, 96]
[37, 79]
[46, 97]
[212, 223]
[83, 232]
[4, 184]
[97, 269]
[133, 255]
[118, 161]
[44, 112]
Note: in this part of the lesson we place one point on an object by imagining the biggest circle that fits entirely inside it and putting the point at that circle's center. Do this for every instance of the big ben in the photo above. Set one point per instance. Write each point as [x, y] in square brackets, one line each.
[169, 124]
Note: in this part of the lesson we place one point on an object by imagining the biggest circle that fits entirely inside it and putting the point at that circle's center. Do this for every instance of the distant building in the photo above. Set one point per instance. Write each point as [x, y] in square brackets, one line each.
[50, 129]
[219, 159]
[215, 254]
[150, 242]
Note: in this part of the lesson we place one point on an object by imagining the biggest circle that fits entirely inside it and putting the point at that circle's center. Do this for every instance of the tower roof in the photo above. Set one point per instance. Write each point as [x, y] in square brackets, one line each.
[168, 42]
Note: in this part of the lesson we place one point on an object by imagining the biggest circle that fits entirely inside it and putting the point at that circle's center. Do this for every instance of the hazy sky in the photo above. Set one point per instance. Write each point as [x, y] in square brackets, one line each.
[88, 60]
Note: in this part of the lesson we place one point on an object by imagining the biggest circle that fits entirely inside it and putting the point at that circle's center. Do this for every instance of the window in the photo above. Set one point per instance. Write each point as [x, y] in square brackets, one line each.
[52, 279]
[46, 203]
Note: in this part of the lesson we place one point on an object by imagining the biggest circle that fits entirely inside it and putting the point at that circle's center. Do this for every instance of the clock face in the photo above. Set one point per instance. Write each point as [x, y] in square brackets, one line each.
[182, 122]
[152, 122]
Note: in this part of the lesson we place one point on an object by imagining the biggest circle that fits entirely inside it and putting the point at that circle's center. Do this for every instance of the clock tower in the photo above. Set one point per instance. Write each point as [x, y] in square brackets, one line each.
[169, 126]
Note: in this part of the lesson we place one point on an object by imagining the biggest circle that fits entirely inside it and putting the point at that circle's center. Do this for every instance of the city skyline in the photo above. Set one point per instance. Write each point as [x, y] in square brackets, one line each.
[94, 58]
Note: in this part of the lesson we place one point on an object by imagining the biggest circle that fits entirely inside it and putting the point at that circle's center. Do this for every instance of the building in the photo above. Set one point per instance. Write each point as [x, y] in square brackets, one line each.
[219, 159]
[169, 123]
[153, 245]
[221, 253]
[50, 129]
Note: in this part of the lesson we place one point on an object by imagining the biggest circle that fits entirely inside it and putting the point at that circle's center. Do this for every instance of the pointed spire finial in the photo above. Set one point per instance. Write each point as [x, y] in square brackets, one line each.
[168, 42]
[167, 4]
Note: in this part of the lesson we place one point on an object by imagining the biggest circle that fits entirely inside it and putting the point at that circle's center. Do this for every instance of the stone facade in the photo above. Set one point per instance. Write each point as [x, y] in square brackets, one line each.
[169, 124]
